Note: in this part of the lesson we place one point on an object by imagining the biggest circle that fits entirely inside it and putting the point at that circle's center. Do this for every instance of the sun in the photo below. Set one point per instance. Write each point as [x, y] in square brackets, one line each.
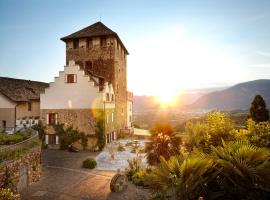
[167, 99]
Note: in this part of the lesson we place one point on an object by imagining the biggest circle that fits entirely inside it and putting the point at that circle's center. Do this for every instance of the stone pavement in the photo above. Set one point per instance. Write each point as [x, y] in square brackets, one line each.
[64, 179]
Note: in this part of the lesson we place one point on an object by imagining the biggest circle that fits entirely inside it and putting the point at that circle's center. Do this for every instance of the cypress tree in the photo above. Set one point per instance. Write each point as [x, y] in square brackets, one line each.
[258, 111]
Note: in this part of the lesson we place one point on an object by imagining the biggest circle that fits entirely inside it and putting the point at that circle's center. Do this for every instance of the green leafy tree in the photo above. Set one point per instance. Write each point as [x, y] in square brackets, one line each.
[202, 135]
[163, 142]
[258, 111]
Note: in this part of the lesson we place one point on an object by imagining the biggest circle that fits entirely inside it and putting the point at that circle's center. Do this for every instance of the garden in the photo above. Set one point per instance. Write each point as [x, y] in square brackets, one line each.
[212, 159]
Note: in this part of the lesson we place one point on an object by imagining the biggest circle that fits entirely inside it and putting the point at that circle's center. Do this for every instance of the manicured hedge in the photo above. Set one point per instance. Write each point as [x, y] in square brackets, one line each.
[89, 163]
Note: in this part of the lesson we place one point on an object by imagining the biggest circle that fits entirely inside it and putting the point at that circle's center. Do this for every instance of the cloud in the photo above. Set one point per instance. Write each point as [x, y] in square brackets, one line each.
[263, 53]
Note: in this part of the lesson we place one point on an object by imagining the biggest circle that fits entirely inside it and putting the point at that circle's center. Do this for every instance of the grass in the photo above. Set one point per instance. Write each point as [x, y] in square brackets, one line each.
[11, 154]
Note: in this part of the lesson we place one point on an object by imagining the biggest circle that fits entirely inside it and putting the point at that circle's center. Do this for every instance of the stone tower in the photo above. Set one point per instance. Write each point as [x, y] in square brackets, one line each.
[101, 53]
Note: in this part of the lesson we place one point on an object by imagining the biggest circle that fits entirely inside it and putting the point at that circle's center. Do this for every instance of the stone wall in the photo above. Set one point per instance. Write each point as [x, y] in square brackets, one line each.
[81, 119]
[23, 171]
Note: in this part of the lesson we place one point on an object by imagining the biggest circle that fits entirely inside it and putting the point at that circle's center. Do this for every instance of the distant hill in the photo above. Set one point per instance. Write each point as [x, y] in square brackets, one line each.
[236, 97]
[149, 103]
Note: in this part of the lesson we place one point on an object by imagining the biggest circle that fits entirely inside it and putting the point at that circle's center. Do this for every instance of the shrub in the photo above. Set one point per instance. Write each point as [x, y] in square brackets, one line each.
[201, 135]
[163, 142]
[121, 147]
[68, 135]
[9, 154]
[89, 163]
[7, 194]
[181, 178]
[141, 178]
[8, 139]
[134, 165]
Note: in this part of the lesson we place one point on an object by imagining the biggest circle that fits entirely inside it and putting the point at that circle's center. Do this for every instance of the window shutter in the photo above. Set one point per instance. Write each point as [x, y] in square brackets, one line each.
[47, 119]
[56, 118]
[75, 78]
[56, 139]
[46, 139]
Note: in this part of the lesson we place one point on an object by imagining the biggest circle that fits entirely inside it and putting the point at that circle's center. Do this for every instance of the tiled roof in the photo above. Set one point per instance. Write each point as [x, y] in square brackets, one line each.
[94, 30]
[21, 90]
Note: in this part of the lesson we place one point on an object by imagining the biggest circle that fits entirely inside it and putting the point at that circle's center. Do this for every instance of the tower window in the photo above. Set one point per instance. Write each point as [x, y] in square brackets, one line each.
[71, 78]
[29, 106]
[89, 43]
[88, 65]
[103, 42]
[75, 43]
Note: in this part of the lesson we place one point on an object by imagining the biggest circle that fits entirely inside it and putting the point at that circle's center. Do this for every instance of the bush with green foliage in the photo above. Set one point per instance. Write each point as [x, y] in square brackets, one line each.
[258, 111]
[10, 154]
[141, 178]
[243, 170]
[7, 194]
[234, 170]
[8, 139]
[40, 128]
[134, 165]
[100, 134]
[217, 127]
[68, 136]
[89, 163]
[182, 177]
[163, 142]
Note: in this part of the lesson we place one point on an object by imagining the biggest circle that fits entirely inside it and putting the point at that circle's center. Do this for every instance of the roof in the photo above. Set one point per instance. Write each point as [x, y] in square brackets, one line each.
[21, 90]
[94, 30]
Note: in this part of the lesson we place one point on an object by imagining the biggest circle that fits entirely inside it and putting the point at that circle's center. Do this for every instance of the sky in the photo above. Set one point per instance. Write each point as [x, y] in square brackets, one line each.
[173, 45]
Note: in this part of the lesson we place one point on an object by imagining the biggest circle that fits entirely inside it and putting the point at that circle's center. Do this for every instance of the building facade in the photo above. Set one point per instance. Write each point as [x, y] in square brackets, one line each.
[79, 100]
[19, 103]
[100, 52]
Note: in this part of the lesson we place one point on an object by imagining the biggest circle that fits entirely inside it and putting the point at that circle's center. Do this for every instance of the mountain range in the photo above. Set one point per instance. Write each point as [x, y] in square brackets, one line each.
[237, 97]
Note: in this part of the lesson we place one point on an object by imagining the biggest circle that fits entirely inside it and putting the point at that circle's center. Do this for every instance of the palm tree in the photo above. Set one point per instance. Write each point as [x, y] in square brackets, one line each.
[163, 142]
[245, 170]
[182, 177]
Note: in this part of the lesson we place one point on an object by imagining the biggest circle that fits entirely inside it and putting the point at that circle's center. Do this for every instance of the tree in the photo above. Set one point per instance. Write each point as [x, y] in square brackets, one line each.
[258, 111]
[201, 135]
[163, 142]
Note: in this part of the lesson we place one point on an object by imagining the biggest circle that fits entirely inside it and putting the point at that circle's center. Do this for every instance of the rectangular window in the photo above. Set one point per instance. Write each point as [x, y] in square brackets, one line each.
[117, 87]
[112, 97]
[130, 118]
[52, 118]
[89, 43]
[103, 42]
[29, 105]
[4, 124]
[75, 43]
[71, 78]
[89, 65]
[107, 97]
